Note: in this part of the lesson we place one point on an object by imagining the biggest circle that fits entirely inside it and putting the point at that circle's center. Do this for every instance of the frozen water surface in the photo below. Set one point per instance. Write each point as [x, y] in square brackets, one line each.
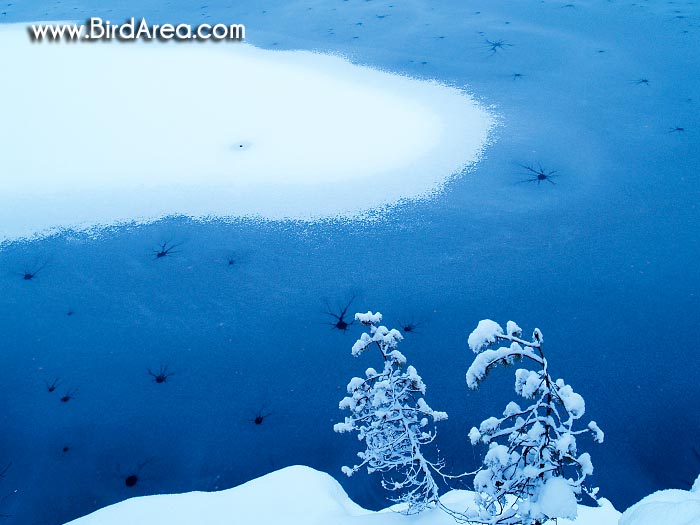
[604, 261]
[140, 131]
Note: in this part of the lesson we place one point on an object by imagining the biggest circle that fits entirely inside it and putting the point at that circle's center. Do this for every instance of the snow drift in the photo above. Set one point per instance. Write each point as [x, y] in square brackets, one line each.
[98, 133]
[679, 507]
[291, 496]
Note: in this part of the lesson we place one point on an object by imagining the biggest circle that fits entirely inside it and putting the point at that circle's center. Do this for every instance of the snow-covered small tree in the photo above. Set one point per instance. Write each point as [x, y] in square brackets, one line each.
[532, 471]
[389, 414]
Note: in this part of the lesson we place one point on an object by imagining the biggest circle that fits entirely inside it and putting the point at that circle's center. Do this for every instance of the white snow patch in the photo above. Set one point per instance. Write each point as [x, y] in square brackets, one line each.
[368, 318]
[484, 335]
[557, 499]
[513, 329]
[291, 496]
[677, 507]
[100, 133]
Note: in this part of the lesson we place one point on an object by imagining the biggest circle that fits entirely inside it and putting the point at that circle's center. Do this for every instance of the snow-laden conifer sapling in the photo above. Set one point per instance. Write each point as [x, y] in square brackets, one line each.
[390, 416]
[532, 471]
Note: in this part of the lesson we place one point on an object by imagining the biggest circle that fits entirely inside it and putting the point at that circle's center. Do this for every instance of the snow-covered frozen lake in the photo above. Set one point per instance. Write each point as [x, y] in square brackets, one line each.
[239, 131]
[601, 96]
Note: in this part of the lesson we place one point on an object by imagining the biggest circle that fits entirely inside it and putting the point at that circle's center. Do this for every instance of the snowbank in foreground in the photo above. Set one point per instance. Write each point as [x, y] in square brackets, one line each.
[677, 507]
[291, 496]
[95, 133]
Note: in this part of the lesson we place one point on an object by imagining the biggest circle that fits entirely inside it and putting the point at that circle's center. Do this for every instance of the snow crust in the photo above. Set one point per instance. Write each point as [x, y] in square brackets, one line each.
[101, 133]
[292, 496]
